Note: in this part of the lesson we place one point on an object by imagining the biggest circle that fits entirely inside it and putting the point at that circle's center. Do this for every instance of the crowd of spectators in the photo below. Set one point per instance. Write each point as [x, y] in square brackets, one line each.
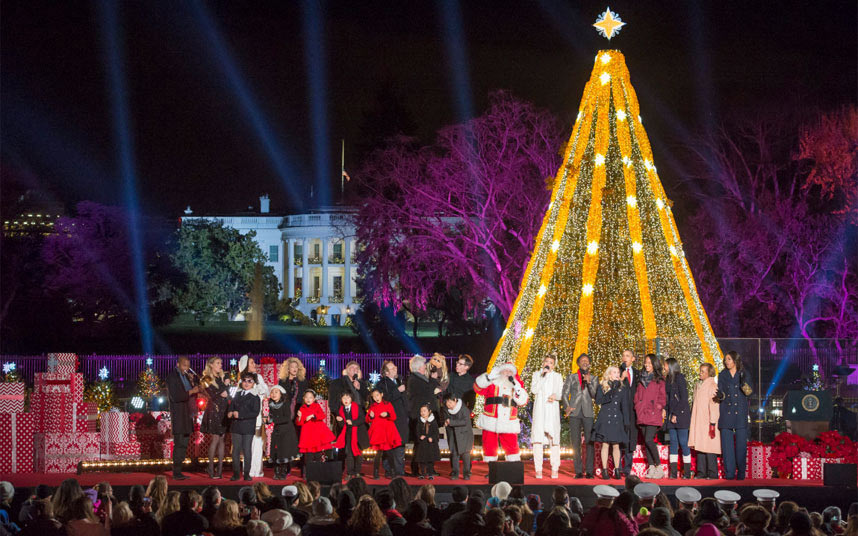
[352, 509]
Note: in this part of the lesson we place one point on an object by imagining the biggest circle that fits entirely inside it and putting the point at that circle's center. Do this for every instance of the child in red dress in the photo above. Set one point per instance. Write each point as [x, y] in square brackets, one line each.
[383, 435]
[316, 437]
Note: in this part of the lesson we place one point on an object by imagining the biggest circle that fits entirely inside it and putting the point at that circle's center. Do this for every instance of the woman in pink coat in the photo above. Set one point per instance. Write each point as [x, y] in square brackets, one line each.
[704, 436]
[650, 399]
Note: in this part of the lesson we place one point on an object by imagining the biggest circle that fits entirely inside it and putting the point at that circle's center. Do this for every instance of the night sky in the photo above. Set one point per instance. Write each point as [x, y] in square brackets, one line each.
[694, 64]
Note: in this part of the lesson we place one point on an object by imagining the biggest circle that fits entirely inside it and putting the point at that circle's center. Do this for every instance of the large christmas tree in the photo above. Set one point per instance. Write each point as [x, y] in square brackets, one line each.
[608, 271]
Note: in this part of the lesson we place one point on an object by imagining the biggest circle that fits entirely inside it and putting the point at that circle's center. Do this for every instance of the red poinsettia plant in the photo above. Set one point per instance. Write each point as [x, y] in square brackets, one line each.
[785, 447]
[833, 445]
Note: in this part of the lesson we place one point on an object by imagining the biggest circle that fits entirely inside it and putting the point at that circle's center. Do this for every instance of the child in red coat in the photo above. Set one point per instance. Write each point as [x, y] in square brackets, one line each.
[316, 437]
[383, 435]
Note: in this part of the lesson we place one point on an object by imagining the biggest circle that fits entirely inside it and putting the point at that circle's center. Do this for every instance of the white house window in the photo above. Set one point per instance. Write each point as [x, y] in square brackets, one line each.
[273, 253]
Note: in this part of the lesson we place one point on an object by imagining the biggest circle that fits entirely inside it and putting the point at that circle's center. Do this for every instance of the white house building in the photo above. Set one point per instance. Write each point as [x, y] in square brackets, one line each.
[312, 253]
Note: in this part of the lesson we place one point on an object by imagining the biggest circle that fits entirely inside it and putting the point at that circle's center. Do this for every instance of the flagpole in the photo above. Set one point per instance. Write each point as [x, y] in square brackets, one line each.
[343, 171]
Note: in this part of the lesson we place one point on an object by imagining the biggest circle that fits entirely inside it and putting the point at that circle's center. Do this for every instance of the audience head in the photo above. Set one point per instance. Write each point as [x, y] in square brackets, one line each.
[632, 481]
[557, 520]
[257, 527]
[660, 517]
[62, 499]
[624, 502]
[416, 511]
[501, 490]
[315, 489]
[401, 493]
[43, 491]
[357, 486]
[831, 515]
[278, 519]
[333, 491]
[7, 492]
[246, 496]
[345, 504]
[709, 511]
[122, 515]
[189, 500]
[560, 496]
[211, 497]
[157, 491]
[816, 520]
[81, 508]
[575, 506]
[534, 502]
[262, 491]
[426, 493]
[756, 518]
[514, 513]
[683, 520]
[494, 518]
[800, 524]
[384, 498]
[366, 518]
[475, 505]
[227, 515]
[305, 497]
[459, 494]
[322, 507]
[785, 510]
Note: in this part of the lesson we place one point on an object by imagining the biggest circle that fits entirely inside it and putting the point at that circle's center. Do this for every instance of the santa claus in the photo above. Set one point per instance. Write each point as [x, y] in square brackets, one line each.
[504, 392]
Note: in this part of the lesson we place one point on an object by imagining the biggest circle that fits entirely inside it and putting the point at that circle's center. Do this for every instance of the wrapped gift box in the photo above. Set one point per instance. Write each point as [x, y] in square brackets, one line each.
[806, 468]
[47, 383]
[758, 460]
[129, 450]
[61, 452]
[12, 397]
[62, 363]
[16, 442]
[55, 413]
[86, 417]
[114, 426]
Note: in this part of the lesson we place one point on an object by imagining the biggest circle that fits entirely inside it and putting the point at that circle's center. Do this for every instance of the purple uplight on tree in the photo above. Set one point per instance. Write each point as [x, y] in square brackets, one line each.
[461, 214]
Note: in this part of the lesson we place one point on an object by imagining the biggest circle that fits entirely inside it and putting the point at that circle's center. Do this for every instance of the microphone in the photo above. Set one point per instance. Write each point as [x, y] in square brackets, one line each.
[511, 379]
[192, 371]
[545, 370]
[354, 377]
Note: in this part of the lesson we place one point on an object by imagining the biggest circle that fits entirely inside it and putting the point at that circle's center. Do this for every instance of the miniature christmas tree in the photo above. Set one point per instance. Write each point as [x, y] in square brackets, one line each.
[149, 385]
[101, 392]
[319, 383]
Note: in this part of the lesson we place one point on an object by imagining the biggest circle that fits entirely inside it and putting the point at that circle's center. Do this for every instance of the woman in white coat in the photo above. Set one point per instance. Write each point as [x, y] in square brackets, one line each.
[261, 390]
[547, 388]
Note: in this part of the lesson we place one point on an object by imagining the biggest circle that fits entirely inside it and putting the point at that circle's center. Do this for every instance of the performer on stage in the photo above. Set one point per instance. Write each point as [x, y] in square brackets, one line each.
[704, 436]
[383, 435]
[394, 393]
[734, 390]
[677, 417]
[293, 379]
[614, 415]
[422, 390]
[504, 392]
[260, 389]
[462, 382]
[351, 382]
[426, 450]
[243, 410]
[316, 437]
[183, 410]
[650, 399]
[352, 437]
[630, 376]
[216, 390]
[438, 371]
[578, 394]
[284, 439]
[460, 435]
[547, 388]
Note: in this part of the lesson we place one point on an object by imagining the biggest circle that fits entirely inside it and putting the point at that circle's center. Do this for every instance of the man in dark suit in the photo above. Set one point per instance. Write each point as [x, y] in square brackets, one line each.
[421, 391]
[394, 392]
[352, 382]
[579, 390]
[630, 377]
[462, 383]
[243, 409]
[183, 409]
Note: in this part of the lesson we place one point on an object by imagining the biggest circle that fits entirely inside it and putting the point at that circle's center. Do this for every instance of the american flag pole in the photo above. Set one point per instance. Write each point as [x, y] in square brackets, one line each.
[343, 170]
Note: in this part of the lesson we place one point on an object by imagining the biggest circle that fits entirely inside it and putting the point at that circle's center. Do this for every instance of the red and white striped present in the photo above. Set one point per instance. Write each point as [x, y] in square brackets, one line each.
[758, 461]
[16, 442]
[114, 426]
[85, 417]
[55, 413]
[12, 397]
[62, 363]
[128, 450]
[47, 383]
[806, 468]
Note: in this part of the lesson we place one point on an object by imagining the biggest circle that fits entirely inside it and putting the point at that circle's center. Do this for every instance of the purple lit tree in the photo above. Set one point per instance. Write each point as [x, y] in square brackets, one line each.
[461, 213]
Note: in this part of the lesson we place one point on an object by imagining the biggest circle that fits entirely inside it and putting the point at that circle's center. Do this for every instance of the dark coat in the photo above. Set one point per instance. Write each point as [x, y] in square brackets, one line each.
[319, 527]
[391, 392]
[460, 430]
[346, 434]
[677, 404]
[420, 529]
[183, 407]
[650, 399]
[214, 418]
[294, 390]
[247, 406]
[421, 391]
[630, 393]
[463, 523]
[614, 414]
[425, 450]
[183, 523]
[462, 387]
[452, 509]
[284, 439]
[734, 407]
[341, 385]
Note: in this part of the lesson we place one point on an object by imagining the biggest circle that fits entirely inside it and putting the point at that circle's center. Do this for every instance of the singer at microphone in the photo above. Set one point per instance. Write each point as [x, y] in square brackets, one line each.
[547, 389]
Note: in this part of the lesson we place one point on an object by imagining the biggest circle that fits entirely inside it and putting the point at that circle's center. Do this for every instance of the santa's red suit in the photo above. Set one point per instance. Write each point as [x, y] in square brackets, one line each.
[499, 419]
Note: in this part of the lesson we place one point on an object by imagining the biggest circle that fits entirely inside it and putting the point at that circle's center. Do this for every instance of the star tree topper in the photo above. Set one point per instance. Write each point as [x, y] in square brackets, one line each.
[609, 24]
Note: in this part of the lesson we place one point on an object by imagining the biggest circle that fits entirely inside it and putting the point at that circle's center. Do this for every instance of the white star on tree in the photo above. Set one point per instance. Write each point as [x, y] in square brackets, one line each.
[103, 373]
[8, 367]
[374, 377]
[149, 361]
[232, 362]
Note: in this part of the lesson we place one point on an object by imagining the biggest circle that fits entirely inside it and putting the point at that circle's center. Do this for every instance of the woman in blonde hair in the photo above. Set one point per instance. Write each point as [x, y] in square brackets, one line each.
[227, 520]
[293, 378]
[614, 413]
[214, 422]
[171, 505]
[438, 371]
[157, 491]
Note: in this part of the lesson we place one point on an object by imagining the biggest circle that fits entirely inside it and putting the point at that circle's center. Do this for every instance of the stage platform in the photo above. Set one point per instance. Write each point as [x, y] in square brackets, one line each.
[810, 493]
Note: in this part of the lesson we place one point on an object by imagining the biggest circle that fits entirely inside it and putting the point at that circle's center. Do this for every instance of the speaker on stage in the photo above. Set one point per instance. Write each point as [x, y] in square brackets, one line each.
[840, 474]
[510, 472]
[324, 472]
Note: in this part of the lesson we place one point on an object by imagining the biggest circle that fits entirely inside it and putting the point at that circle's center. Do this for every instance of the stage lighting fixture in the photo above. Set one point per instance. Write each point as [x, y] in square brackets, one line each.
[136, 405]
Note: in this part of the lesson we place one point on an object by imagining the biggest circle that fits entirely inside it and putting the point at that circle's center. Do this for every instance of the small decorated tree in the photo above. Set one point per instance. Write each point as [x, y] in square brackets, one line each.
[149, 385]
[101, 392]
[319, 383]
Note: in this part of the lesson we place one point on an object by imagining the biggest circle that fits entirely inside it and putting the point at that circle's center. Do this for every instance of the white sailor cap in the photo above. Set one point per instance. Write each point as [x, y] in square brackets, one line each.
[687, 495]
[605, 492]
[647, 490]
[765, 495]
[727, 497]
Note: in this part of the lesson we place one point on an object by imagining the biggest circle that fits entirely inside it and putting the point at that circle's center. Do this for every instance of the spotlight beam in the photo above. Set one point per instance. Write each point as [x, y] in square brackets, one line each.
[122, 131]
[314, 59]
